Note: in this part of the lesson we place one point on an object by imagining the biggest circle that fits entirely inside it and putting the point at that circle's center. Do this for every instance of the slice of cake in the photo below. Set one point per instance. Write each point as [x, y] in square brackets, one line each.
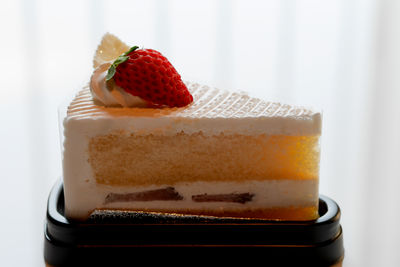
[205, 152]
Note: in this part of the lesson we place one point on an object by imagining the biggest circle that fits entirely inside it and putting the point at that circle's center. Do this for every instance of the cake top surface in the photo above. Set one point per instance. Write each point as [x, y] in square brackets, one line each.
[212, 111]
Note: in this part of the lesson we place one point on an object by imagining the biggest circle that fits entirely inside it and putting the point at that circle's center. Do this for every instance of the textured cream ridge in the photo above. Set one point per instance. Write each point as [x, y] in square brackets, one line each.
[213, 111]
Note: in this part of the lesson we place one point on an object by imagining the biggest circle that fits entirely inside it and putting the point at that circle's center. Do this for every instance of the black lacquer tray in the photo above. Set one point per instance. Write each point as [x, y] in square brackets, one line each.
[137, 238]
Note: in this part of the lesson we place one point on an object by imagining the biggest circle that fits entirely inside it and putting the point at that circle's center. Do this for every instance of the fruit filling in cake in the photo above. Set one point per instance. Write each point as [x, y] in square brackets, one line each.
[139, 138]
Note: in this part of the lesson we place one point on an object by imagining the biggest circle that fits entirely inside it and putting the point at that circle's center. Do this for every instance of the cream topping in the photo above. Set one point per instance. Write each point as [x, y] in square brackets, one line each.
[212, 112]
[108, 93]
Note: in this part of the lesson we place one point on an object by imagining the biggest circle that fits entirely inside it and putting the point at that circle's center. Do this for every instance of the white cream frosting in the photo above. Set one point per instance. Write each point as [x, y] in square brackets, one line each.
[212, 112]
[108, 93]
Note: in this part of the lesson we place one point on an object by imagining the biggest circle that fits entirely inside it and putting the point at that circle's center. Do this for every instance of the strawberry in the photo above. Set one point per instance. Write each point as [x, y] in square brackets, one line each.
[146, 73]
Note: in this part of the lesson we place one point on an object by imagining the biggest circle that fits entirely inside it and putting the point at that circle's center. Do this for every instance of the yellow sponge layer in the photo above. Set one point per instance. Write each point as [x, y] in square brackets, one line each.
[121, 159]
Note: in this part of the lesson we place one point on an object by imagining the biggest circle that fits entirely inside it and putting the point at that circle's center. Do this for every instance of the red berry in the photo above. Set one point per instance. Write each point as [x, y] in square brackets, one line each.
[150, 76]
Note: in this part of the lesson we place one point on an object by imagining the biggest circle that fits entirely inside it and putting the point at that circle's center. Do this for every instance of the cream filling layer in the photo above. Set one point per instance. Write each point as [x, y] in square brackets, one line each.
[283, 193]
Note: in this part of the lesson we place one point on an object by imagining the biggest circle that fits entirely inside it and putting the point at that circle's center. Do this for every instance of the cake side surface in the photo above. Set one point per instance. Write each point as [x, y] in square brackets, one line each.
[112, 153]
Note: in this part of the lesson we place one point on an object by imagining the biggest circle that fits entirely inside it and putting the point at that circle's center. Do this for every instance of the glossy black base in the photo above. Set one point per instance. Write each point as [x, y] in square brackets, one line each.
[133, 238]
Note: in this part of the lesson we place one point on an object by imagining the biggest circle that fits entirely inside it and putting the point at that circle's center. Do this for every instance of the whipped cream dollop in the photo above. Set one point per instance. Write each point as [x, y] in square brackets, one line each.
[108, 94]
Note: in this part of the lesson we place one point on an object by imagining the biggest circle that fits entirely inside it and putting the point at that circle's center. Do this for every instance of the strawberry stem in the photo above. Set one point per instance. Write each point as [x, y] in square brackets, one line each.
[121, 59]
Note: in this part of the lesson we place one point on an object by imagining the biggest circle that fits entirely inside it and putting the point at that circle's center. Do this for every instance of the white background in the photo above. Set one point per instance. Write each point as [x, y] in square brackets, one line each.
[341, 56]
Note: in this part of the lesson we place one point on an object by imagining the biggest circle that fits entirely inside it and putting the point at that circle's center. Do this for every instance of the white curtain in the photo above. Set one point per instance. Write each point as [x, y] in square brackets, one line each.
[341, 56]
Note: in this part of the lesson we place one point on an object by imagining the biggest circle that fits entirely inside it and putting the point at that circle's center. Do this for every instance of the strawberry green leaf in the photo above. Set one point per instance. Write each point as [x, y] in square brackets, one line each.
[121, 59]
[110, 72]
